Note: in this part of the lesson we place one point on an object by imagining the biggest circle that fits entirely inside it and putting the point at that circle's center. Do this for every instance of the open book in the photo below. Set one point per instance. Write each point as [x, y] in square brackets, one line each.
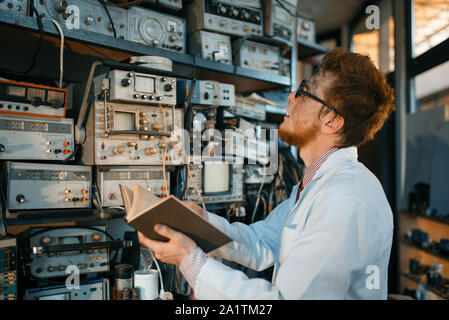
[144, 210]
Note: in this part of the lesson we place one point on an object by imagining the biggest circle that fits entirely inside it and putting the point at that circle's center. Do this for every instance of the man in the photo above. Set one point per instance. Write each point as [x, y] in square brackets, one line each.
[332, 238]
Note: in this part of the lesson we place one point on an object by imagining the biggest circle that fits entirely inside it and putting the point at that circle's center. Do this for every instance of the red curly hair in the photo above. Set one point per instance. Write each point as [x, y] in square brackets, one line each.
[360, 92]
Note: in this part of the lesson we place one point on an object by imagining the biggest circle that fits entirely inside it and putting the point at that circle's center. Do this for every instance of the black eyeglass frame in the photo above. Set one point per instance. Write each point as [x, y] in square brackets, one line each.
[301, 91]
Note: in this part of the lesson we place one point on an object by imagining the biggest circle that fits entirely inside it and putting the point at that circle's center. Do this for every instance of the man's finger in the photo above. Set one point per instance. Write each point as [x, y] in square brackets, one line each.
[147, 242]
[166, 231]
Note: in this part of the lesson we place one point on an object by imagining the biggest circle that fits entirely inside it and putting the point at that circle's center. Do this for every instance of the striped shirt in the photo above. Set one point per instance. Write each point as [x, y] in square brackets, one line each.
[313, 168]
[191, 265]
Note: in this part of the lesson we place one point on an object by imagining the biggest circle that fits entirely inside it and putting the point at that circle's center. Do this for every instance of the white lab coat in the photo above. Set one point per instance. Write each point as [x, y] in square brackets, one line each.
[334, 243]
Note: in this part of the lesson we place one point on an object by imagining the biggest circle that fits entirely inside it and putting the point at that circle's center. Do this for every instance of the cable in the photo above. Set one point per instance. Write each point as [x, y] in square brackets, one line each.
[258, 196]
[109, 17]
[125, 5]
[41, 36]
[288, 11]
[162, 291]
[195, 186]
[165, 150]
[61, 51]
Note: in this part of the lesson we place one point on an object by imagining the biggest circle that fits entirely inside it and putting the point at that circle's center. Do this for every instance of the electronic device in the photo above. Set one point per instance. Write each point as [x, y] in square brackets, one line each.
[90, 15]
[443, 246]
[48, 186]
[92, 290]
[230, 17]
[211, 46]
[418, 237]
[141, 88]
[8, 269]
[203, 118]
[258, 56]
[218, 181]
[207, 92]
[247, 108]
[128, 134]
[285, 67]
[109, 180]
[55, 252]
[35, 139]
[419, 198]
[157, 29]
[170, 4]
[17, 6]
[32, 100]
[255, 174]
[279, 19]
[417, 268]
[245, 3]
[305, 29]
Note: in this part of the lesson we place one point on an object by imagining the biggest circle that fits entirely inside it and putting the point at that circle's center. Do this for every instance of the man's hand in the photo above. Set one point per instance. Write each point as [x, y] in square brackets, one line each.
[196, 208]
[173, 251]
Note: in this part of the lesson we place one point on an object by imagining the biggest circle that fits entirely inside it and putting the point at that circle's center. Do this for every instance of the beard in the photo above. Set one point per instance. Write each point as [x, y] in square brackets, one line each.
[297, 135]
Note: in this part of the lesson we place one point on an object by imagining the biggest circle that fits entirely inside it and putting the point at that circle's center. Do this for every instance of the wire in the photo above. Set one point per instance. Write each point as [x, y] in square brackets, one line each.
[165, 150]
[285, 8]
[258, 196]
[160, 272]
[109, 17]
[196, 187]
[125, 5]
[61, 51]
[41, 37]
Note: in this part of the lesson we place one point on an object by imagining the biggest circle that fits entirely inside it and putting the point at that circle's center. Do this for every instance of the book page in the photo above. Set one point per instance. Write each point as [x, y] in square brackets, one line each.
[138, 200]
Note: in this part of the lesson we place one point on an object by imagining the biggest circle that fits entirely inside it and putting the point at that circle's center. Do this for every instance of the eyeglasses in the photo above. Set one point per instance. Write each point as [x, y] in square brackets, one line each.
[301, 91]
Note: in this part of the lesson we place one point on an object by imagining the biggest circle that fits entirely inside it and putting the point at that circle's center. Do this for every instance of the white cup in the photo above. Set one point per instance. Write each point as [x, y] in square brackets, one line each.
[146, 281]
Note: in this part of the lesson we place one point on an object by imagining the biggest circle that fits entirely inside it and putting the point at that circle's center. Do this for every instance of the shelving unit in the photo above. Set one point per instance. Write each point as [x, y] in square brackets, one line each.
[437, 228]
[416, 279]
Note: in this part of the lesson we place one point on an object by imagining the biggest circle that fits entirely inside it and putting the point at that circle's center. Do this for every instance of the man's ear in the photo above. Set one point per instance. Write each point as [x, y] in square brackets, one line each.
[332, 123]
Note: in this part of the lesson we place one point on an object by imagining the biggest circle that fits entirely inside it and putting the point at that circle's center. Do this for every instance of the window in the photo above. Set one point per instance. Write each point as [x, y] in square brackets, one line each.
[378, 44]
[430, 24]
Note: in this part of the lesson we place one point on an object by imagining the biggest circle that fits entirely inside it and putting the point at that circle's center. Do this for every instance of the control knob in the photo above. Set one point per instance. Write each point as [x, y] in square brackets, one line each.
[222, 10]
[20, 198]
[126, 82]
[235, 12]
[245, 15]
[36, 101]
[88, 20]
[169, 87]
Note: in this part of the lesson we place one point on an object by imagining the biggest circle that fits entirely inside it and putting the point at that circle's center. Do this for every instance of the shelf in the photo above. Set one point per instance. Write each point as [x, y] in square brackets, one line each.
[84, 47]
[60, 216]
[309, 49]
[431, 250]
[415, 278]
[433, 218]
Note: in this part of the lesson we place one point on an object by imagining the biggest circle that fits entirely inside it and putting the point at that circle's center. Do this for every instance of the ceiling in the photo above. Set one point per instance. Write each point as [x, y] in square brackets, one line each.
[330, 14]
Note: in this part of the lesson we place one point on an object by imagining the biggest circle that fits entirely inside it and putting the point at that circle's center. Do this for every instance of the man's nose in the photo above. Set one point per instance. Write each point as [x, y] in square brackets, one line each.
[291, 97]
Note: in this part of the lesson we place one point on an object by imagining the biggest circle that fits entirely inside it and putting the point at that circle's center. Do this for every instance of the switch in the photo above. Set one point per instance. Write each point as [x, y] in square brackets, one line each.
[206, 95]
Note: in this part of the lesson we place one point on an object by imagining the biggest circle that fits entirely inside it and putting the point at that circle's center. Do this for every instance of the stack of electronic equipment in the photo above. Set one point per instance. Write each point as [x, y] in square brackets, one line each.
[251, 34]
[33, 127]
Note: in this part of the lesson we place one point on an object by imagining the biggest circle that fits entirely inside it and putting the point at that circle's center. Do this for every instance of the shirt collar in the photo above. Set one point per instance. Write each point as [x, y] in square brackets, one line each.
[316, 164]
